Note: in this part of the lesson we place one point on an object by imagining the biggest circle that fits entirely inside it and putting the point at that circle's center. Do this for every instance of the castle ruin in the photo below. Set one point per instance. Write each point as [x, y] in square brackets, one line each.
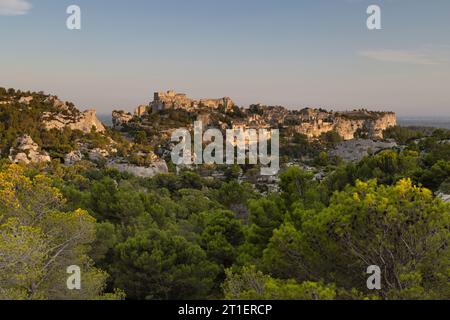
[173, 100]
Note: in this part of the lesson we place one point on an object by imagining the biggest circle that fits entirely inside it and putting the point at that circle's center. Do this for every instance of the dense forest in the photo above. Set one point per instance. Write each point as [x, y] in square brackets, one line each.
[186, 236]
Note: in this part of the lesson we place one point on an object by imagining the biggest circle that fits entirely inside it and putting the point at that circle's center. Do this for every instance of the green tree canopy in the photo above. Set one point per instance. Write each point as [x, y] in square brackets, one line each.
[39, 241]
[402, 229]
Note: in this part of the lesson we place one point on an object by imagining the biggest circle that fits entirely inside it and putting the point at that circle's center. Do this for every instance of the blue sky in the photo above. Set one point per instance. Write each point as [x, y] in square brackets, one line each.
[296, 53]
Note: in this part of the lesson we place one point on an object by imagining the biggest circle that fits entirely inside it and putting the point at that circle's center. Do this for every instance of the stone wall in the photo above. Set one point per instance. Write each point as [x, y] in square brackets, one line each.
[171, 99]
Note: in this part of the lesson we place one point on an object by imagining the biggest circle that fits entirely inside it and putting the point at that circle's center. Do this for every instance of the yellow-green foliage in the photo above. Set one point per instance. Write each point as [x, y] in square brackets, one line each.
[251, 284]
[38, 241]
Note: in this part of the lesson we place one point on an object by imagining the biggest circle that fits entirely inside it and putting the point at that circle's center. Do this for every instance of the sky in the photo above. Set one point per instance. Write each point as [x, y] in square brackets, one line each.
[296, 53]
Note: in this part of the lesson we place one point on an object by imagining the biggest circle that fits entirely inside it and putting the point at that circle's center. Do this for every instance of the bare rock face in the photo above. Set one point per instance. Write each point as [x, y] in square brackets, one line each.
[83, 121]
[347, 124]
[314, 129]
[120, 118]
[356, 150]
[156, 168]
[444, 197]
[98, 154]
[87, 121]
[26, 100]
[387, 120]
[372, 126]
[72, 158]
[215, 103]
[27, 151]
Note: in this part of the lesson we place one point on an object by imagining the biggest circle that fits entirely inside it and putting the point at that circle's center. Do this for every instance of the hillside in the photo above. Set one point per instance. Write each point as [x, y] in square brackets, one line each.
[170, 110]
[50, 128]
[38, 127]
[103, 199]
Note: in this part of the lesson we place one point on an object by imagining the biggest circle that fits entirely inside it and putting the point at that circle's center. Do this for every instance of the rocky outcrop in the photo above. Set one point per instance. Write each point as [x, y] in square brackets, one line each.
[57, 103]
[156, 168]
[72, 158]
[83, 121]
[87, 121]
[26, 100]
[120, 118]
[98, 154]
[371, 126]
[226, 102]
[358, 123]
[314, 129]
[27, 151]
[444, 197]
[356, 150]
[378, 125]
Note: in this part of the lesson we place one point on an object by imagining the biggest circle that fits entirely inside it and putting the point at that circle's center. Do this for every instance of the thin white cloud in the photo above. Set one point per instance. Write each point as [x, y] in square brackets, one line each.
[14, 7]
[403, 56]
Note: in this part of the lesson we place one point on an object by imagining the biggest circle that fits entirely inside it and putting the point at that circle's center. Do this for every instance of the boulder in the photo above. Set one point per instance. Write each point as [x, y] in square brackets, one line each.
[26, 100]
[98, 154]
[72, 158]
[27, 151]
[444, 197]
[156, 168]
[83, 121]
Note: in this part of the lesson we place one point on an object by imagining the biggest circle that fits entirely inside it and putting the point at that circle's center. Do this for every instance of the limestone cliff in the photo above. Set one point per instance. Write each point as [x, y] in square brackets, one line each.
[310, 122]
[83, 121]
[349, 125]
[226, 102]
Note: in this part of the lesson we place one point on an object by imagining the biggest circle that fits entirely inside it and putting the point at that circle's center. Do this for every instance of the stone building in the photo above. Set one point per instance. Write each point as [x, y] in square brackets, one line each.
[170, 100]
[173, 100]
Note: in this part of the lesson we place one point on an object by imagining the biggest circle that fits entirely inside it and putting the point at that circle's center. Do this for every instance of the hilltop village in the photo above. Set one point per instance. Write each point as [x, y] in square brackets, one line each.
[310, 122]
[39, 128]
